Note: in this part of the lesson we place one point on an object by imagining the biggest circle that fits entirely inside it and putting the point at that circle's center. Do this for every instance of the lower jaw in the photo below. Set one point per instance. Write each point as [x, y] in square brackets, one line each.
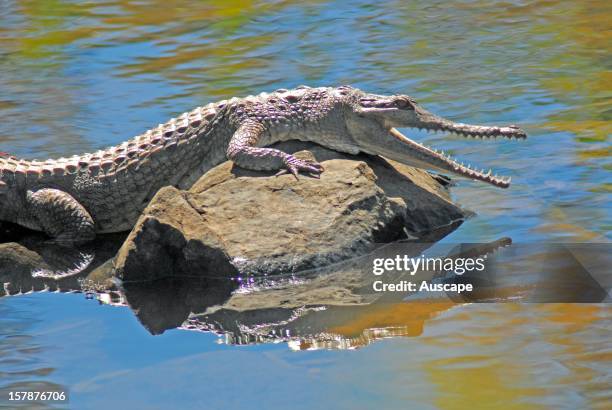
[447, 168]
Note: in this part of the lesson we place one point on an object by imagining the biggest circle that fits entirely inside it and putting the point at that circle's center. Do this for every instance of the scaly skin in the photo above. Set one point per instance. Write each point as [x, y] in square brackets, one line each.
[72, 199]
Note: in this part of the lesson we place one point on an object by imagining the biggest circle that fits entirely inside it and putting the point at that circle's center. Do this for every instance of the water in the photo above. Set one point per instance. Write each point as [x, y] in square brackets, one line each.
[77, 77]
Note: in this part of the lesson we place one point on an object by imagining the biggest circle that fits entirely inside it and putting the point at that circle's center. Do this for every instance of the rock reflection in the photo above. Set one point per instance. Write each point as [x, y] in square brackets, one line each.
[332, 308]
[337, 307]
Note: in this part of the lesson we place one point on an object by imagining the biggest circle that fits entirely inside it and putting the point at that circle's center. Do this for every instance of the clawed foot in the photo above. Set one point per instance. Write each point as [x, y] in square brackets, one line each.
[295, 165]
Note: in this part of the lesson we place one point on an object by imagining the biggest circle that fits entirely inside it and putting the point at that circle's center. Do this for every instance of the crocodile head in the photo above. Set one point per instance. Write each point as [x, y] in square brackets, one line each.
[372, 120]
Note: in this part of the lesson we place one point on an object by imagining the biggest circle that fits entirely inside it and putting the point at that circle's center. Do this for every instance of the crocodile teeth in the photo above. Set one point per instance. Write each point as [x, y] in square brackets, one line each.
[442, 162]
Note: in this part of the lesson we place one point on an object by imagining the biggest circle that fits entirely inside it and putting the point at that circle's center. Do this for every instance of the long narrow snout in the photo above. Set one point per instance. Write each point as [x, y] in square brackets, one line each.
[410, 152]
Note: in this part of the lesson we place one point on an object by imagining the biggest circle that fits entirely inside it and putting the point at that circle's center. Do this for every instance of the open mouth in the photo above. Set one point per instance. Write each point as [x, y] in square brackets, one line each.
[425, 157]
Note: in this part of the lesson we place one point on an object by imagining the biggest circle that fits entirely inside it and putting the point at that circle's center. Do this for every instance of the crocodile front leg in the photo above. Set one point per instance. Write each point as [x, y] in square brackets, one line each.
[244, 152]
[61, 216]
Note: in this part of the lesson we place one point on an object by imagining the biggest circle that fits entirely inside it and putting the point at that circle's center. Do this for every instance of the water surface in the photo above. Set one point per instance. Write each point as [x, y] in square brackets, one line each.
[80, 76]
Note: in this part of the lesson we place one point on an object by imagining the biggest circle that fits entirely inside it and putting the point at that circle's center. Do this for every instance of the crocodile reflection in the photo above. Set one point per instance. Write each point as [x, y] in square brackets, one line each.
[322, 309]
[335, 308]
[338, 309]
[30, 264]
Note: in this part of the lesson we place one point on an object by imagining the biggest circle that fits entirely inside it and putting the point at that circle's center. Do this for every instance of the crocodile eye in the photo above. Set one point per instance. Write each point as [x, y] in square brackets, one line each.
[404, 103]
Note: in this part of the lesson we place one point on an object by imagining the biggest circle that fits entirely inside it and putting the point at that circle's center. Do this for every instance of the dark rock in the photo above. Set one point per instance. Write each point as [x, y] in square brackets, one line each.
[235, 221]
[167, 303]
[172, 238]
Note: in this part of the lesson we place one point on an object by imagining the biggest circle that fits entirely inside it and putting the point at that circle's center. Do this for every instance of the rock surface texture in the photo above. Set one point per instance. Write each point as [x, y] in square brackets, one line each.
[234, 221]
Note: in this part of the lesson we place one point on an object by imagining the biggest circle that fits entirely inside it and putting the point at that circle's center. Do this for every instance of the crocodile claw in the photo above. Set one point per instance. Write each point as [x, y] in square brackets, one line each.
[295, 165]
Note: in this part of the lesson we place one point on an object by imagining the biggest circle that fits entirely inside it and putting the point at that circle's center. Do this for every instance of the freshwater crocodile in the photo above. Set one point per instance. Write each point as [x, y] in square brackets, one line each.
[73, 199]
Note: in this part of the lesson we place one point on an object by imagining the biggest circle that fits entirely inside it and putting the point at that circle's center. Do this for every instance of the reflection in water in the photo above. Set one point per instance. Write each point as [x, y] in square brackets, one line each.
[461, 347]
[340, 310]
[334, 308]
[33, 264]
[339, 307]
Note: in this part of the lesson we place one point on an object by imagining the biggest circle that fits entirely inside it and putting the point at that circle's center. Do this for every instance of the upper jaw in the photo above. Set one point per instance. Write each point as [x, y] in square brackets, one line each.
[428, 121]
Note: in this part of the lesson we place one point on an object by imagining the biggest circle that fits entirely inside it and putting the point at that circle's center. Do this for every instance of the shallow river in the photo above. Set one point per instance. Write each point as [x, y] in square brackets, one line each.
[80, 76]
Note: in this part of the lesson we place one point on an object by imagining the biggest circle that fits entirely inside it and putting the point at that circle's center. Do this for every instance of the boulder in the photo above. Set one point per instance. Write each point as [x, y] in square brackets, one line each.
[235, 222]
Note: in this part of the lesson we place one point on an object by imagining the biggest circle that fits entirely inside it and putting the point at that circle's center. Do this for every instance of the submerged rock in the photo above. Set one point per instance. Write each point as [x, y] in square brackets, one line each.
[234, 221]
